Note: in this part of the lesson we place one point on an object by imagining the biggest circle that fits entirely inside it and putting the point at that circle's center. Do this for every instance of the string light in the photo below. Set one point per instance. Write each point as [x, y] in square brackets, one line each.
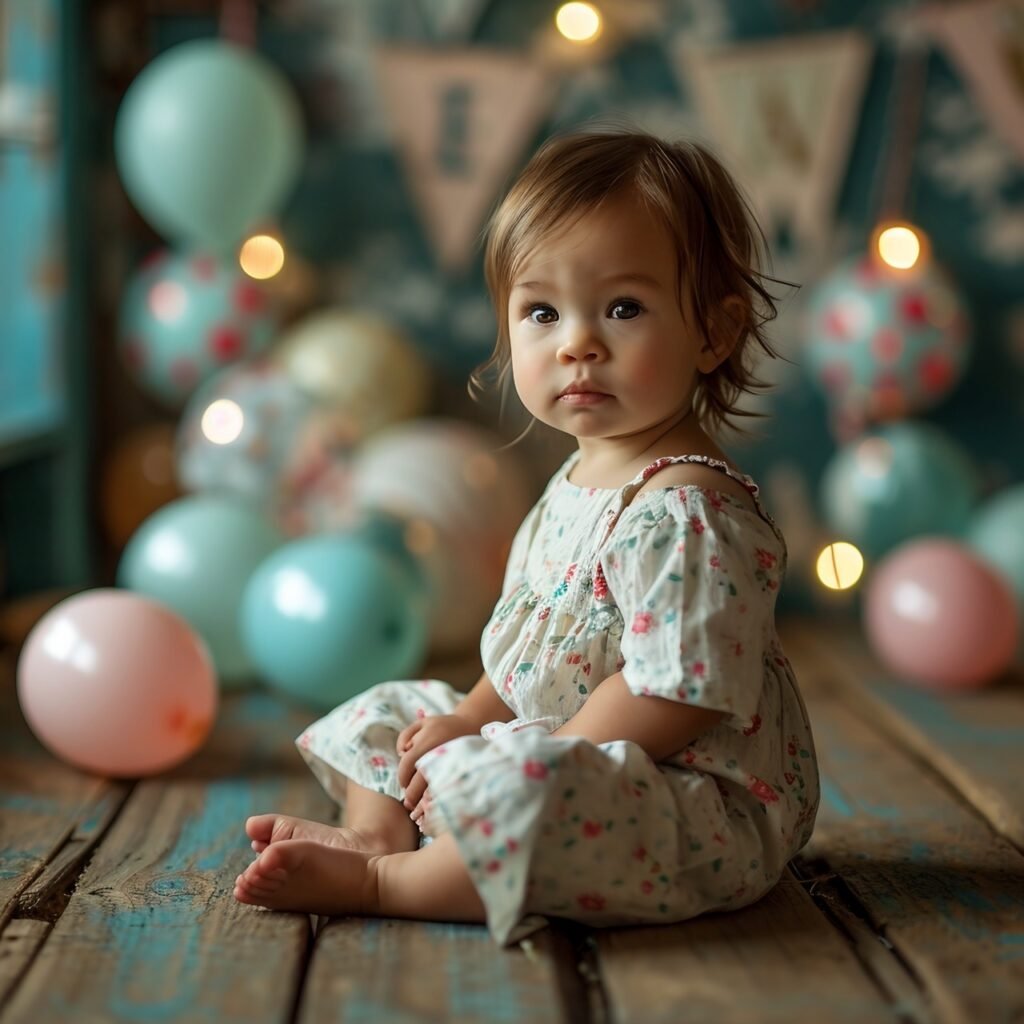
[222, 421]
[839, 565]
[900, 246]
[261, 257]
[579, 22]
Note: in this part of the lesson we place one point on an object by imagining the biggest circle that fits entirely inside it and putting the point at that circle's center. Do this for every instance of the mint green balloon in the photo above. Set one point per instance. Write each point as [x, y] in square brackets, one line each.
[997, 533]
[898, 482]
[327, 616]
[196, 555]
[208, 141]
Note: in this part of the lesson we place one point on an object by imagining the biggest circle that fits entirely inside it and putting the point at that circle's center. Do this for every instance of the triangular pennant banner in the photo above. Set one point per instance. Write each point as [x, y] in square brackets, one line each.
[452, 19]
[986, 42]
[784, 113]
[460, 119]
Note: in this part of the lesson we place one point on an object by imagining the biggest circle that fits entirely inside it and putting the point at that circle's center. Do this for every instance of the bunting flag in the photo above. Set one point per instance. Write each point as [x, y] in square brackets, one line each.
[452, 19]
[460, 119]
[784, 114]
[985, 40]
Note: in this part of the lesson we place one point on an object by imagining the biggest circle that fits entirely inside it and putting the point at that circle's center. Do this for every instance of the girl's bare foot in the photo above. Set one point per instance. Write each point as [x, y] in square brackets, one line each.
[266, 829]
[311, 877]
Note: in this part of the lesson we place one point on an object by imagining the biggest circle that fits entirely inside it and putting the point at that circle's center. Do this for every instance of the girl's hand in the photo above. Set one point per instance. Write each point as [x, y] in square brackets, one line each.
[415, 740]
[416, 814]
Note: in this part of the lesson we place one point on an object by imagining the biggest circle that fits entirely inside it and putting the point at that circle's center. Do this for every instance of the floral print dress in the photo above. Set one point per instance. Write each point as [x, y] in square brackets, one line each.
[677, 590]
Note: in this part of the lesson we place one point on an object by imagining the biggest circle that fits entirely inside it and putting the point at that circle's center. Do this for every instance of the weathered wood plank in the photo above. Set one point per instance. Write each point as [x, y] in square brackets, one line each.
[975, 740]
[18, 944]
[44, 805]
[152, 931]
[873, 950]
[407, 972]
[778, 960]
[932, 877]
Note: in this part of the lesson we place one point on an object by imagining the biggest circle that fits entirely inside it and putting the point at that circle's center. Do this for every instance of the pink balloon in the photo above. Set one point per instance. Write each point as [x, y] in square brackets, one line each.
[936, 614]
[117, 684]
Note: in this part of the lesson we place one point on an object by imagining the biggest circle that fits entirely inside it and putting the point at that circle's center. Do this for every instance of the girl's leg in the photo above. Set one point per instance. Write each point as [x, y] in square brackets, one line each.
[374, 823]
[379, 817]
[431, 884]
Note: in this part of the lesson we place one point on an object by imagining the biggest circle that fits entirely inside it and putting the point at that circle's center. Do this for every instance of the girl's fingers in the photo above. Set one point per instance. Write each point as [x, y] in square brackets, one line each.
[406, 735]
[421, 808]
[406, 765]
[414, 791]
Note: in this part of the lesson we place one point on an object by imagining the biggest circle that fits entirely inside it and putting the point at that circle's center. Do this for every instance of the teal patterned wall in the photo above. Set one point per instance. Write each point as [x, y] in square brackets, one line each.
[31, 211]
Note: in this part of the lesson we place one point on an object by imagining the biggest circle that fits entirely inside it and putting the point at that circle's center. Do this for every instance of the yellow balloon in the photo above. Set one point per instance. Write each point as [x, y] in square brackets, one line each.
[359, 364]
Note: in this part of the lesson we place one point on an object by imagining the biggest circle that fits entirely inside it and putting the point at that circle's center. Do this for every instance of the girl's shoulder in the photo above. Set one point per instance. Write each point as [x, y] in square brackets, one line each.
[701, 476]
[714, 500]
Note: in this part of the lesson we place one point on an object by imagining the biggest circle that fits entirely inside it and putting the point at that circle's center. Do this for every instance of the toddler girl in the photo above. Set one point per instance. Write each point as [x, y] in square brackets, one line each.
[637, 750]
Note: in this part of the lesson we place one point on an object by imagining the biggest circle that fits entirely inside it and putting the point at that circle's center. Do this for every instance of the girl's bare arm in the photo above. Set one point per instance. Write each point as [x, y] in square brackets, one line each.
[482, 705]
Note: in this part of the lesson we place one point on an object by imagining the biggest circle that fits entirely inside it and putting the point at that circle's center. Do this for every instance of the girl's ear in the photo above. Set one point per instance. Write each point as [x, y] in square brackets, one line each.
[725, 329]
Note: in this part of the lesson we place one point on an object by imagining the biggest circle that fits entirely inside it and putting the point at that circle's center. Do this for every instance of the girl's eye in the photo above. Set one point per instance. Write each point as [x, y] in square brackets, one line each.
[542, 315]
[625, 309]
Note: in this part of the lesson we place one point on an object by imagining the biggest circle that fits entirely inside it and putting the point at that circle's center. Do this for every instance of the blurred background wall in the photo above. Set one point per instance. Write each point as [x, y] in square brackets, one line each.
[835, 116]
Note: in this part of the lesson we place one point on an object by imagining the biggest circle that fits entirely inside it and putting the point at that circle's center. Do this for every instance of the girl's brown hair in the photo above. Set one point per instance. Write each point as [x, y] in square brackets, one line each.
[719, 243]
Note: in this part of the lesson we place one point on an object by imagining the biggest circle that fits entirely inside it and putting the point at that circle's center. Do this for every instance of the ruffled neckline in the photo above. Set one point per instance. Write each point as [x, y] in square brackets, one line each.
[606, 493]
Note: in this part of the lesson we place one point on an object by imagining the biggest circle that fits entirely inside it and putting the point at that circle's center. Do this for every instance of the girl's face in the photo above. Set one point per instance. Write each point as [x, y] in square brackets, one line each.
[595, 306]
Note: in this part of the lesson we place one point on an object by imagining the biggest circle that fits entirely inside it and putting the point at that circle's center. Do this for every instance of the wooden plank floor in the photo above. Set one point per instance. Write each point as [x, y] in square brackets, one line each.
[908, 905]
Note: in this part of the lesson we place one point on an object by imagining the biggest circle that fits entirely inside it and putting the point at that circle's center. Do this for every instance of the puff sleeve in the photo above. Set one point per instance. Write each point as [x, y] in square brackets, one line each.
[695, 579]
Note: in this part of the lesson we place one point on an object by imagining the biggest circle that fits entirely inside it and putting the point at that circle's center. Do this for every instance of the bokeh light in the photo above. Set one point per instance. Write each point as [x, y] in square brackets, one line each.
[579, 22]
[899, 246]
[261, 257]
[840, 565]
[222, 421]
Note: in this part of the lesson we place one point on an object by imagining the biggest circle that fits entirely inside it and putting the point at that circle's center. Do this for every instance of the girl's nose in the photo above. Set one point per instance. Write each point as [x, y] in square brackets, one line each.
[581, 343]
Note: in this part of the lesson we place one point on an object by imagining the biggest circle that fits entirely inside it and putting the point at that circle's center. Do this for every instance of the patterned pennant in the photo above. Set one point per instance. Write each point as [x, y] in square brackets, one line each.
[460, 119]
[784, 113]
[986, 42]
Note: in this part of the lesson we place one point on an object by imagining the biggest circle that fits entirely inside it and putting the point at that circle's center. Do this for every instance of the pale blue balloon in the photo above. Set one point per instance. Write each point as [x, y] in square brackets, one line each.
[996, 532]
[900, 481]
[208, 141]
[196, 555]
[325, 617]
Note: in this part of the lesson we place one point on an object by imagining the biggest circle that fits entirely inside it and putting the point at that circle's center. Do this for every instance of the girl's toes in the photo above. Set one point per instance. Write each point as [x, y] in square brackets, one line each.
[260, 827]
[260, 877]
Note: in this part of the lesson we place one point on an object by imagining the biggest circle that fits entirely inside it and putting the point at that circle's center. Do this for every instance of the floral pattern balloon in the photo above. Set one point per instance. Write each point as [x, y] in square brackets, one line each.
[885, 343]
[184, 316]
[251, 431]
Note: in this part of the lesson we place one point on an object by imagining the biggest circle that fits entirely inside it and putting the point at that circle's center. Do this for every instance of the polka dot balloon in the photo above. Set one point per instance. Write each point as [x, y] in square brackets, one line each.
[885, 343]
[186, 315]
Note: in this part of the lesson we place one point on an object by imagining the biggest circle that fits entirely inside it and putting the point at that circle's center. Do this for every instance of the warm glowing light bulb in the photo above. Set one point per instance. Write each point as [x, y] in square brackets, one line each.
[899, 246]
[578, 22]
[261, 256]
[840, 565]
[222, 422]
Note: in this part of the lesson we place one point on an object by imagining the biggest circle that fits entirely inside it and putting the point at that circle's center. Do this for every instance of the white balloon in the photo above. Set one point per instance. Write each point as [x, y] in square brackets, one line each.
[449, 474]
